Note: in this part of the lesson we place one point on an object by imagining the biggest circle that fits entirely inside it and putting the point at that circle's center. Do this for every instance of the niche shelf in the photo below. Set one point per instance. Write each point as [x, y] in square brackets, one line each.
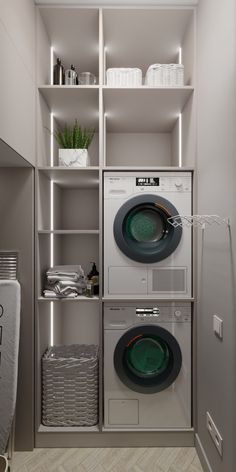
[135, 128]
[142, 126]
[144, 109]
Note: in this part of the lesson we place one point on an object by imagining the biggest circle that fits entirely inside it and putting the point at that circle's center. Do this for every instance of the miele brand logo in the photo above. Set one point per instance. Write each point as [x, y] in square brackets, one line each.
[116, 309]
[114, 179]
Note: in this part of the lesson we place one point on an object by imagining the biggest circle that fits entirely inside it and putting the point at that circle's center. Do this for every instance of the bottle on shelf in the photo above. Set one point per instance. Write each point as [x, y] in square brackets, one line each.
[58, 73]
[89, 290]
[71, 77]
[93, 278]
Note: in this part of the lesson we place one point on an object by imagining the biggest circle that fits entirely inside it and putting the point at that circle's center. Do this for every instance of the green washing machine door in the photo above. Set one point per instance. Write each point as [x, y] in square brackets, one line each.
[147, 359]
[142, 231]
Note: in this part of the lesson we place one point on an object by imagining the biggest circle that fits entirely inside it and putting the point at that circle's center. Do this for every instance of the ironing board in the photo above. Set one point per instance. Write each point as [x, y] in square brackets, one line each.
[9, 348]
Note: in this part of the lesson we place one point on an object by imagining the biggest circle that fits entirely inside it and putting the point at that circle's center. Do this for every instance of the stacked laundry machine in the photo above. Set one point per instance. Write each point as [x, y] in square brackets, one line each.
[147, 291]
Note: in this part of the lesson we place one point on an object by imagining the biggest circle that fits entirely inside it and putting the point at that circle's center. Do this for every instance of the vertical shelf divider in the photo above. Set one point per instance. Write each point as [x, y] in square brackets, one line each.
[101, 48]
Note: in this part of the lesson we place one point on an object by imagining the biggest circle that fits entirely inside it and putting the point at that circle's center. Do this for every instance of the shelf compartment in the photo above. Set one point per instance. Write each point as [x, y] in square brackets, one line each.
[142, 126]
[157, 34]
[144, 109]
[73, 323]
[82, 177]
[68, 103]
[74, 35]
[75, 202]
[68, 249]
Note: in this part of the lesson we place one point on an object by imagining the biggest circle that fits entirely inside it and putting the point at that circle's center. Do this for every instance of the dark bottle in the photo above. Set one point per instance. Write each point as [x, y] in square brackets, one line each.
[58, 73]
[94, 277]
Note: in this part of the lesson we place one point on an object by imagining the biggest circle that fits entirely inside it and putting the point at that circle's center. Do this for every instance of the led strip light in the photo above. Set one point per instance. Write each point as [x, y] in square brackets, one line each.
[51, 224]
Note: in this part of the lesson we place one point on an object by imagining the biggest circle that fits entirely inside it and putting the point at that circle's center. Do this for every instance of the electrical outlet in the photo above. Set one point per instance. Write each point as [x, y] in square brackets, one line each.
[215, 435]
[218, 326]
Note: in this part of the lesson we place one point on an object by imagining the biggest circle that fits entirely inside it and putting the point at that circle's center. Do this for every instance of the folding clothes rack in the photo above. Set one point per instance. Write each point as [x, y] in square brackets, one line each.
[198, 220]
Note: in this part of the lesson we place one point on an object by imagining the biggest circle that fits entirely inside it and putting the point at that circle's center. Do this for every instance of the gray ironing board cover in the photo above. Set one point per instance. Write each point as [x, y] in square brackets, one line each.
[9, 348]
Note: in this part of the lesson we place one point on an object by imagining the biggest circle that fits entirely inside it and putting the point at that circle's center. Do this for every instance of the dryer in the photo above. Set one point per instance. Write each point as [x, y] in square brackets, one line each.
[143, 253]
[147, 366]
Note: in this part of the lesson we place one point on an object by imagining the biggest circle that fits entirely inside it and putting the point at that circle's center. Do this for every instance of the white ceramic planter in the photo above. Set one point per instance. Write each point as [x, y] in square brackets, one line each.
[74, 158]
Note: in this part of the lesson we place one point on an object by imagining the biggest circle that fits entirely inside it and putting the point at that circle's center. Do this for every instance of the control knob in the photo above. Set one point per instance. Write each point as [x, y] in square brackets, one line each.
[177, 314]
[178, 184]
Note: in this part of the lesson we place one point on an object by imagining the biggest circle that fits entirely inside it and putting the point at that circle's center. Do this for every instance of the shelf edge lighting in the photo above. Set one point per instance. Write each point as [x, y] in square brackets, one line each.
[180, 55]
[51, 64]
[51, 226]
[180, 140]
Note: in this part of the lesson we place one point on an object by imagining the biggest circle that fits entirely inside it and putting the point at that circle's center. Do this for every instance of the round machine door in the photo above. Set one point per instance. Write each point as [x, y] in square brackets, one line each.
[142, 231]
[147, 359]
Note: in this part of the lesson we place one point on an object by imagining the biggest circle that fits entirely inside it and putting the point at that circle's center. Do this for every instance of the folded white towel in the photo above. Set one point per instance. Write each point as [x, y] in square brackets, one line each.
[65, 272]
[9, 348]
[51, 294]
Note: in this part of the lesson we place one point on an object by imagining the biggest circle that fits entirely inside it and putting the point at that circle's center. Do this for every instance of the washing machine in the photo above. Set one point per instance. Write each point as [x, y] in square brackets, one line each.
[147, 366]
[143, 253]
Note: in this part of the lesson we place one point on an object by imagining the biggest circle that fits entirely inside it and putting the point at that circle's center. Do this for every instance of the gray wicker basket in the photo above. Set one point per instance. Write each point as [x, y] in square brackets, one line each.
[70, 385]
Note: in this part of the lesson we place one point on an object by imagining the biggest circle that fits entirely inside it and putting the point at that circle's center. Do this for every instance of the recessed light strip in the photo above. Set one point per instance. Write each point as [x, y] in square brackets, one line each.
[180, 55]
[51, 139]
[51, 224]
[180, 140]
[51, 64]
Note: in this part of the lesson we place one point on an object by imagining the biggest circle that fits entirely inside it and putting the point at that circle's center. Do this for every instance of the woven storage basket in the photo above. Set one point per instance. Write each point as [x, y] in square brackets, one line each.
[70, 385]
[165, 75]
[124, 77]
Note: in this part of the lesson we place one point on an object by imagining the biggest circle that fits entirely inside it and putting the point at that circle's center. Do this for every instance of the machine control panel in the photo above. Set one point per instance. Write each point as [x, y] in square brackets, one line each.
[120, 316]
[120, 185]
[152, 312]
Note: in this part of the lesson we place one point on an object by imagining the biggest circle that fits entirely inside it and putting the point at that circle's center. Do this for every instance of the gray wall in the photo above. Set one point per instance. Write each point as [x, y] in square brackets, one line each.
[217, 246]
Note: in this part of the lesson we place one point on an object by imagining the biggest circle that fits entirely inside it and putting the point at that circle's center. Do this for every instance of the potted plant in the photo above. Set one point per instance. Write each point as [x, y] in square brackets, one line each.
[73, 145]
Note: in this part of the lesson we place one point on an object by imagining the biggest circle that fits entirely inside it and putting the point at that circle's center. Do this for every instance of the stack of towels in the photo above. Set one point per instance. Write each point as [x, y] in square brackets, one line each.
[65, 281]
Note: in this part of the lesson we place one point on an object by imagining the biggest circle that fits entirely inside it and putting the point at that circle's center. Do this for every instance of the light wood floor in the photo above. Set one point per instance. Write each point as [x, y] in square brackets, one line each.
[107, 460]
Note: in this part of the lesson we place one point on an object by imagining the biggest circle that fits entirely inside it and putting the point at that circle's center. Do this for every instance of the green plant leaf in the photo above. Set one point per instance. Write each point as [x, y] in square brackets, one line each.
[74, 137]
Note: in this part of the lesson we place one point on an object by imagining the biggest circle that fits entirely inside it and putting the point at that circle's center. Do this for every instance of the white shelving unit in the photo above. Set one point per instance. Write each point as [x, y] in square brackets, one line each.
[135, 128]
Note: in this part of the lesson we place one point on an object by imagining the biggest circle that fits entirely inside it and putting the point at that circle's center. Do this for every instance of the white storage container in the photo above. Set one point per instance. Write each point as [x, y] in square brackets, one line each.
[124, 77]
[180, 75]
[165, 75]
[154, 75]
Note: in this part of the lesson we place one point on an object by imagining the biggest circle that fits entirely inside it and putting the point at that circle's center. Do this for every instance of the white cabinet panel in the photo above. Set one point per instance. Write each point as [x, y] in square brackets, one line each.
[18, 17]
[17, 98]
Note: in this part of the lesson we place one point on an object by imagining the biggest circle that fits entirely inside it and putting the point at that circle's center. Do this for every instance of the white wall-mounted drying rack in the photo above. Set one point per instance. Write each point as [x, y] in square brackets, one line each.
[198, 221]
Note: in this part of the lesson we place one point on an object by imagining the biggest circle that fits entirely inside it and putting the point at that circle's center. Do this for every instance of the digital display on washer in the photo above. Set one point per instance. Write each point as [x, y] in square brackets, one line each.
[147, 181]
[143, 312]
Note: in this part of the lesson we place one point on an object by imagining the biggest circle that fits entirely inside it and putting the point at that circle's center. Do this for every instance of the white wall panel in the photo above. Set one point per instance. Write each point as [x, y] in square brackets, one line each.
[17, 98]
[18, 17]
